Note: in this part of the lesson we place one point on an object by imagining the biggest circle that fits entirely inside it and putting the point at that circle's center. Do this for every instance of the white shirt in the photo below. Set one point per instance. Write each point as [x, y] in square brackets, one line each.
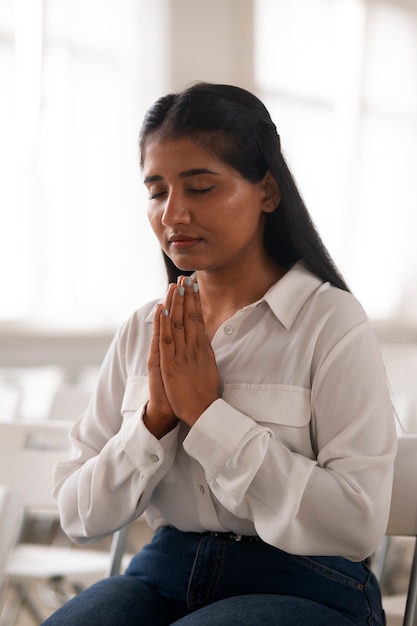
[299, 449]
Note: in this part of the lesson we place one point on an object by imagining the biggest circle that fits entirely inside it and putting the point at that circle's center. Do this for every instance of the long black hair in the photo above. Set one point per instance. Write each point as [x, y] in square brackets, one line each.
[236, 127]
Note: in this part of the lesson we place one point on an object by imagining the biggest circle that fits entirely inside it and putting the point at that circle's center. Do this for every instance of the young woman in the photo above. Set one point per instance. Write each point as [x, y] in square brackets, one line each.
[247, 413]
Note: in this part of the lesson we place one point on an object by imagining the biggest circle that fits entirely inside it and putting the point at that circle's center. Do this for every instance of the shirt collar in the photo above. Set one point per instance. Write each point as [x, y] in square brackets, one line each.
[287, 297]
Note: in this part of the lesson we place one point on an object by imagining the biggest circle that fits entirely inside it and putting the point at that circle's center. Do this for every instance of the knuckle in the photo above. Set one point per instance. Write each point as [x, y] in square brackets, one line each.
[195, 317]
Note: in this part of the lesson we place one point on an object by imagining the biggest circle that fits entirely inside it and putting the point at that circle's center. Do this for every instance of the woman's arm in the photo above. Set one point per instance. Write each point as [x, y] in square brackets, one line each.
[115, 462]
[337, 501]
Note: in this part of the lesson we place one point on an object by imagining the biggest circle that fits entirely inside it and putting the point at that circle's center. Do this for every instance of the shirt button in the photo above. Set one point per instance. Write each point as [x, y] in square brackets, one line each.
[154, 458]
[200, 489]
[228, 329]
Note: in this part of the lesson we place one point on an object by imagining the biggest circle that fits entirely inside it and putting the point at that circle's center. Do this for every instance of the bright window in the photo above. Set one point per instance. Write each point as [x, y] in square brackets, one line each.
[73, 230]
[340, 79]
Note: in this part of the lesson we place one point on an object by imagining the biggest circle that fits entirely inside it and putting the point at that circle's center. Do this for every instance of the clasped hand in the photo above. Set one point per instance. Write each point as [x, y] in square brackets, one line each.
[182, 370]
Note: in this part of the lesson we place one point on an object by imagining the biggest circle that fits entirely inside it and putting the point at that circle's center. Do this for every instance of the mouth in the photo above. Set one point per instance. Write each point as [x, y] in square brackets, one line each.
[181, 242]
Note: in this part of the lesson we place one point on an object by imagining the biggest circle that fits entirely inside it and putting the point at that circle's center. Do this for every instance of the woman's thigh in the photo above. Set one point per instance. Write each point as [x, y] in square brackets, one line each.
[115, 601]
[265, 610]
[194, 571]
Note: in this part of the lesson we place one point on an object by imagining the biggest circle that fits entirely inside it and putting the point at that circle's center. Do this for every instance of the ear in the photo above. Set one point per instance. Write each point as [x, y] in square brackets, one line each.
[271, 193]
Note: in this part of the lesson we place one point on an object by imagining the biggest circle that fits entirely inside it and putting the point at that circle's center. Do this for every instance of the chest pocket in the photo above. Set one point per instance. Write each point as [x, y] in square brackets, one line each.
[284, 409]
[135, 396]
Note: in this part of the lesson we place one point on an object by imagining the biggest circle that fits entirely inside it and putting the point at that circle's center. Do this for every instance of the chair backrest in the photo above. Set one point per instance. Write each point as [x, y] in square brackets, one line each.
[28, 453]
[403, 513]
[10, 516]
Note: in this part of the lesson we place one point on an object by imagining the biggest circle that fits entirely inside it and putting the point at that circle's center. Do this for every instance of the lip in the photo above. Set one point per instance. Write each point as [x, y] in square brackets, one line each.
[181, 242]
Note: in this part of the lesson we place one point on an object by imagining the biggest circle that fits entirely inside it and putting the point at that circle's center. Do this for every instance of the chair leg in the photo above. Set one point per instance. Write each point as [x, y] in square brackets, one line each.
[117, 550]
[19, 598]
[410, 615]
[380, 557]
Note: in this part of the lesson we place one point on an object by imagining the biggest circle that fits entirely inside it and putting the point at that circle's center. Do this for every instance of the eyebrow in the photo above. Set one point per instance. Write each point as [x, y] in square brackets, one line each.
[186, 174]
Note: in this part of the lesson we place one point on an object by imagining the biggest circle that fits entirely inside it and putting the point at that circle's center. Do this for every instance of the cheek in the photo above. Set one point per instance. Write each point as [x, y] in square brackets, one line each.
[154, 220]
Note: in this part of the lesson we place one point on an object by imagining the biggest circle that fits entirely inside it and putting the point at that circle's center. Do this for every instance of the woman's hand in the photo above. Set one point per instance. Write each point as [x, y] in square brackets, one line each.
[159, 417]
[187, 364]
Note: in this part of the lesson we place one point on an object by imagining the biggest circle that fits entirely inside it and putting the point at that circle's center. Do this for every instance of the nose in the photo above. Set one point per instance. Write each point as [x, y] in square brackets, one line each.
[175, 210]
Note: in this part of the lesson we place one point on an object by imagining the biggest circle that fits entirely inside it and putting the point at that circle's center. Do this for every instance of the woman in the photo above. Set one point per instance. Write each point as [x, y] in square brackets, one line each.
[247, 414]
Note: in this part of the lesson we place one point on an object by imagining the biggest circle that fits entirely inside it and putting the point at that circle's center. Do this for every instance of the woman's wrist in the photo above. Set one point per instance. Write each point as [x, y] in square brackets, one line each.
[158, 424]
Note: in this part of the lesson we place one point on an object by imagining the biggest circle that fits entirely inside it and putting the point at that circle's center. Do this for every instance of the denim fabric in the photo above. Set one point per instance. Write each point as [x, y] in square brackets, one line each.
[209, 579]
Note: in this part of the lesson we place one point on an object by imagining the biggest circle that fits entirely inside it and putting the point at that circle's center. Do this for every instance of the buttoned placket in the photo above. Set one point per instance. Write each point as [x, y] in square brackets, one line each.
[228, 331]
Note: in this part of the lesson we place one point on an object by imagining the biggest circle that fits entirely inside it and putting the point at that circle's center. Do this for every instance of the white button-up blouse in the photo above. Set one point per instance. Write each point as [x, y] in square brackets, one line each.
[298, 449]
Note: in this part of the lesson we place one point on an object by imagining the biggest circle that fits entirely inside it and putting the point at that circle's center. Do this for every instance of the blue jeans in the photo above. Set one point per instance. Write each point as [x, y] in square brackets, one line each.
[211, 579]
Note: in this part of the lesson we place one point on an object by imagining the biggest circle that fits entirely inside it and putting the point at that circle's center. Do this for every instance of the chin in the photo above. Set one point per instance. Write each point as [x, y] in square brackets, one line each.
[184, 267]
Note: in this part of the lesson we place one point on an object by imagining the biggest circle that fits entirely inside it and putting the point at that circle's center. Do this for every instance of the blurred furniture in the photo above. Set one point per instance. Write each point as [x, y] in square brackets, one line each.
[402, 609]
[28, 452]
[71, 351]
[118, 551]
[68, 402]
[10, 515]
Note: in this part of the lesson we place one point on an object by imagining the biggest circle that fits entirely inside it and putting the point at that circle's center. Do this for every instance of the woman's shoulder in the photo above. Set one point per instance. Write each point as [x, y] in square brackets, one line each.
[337, 304]
[337, 318]
[320, 301]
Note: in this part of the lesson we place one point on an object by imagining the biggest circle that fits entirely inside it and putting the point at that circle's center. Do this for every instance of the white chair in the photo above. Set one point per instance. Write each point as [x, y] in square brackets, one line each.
[28, 452]
[402, 609]
[10, 516]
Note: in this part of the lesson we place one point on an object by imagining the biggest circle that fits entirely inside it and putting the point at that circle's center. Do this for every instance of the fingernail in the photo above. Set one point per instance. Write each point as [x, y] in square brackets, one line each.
[165, 312]
[179, 278]
[181, 290]
[195, 287]
[188, 281]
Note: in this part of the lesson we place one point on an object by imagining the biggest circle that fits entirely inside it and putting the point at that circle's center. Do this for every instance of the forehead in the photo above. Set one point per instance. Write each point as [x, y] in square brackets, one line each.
[179, 153]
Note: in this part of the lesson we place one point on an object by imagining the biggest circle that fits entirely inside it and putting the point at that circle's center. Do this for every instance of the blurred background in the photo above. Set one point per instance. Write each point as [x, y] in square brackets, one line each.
[77, 256]
[340, 80]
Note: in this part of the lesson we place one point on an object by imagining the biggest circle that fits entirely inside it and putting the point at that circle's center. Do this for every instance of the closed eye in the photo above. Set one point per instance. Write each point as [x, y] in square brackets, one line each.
[201, 191]
[153, 196]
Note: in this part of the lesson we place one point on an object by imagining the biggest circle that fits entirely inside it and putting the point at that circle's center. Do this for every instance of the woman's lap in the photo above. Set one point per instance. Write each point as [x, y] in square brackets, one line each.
[115, 601]
[124, 600]
[188, 577]
[264, 610]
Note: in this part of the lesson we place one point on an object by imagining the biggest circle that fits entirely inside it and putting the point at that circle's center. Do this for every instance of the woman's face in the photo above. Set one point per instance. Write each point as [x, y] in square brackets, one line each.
[204, 214]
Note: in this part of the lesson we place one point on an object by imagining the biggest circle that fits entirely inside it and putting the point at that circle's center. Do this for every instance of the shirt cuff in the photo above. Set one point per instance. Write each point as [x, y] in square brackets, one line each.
[217, 434]
[148, 453]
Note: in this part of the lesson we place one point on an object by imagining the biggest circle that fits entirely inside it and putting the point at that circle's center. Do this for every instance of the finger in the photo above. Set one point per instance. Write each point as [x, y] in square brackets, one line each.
[193, 317]
[164, 318]
[166, 340]
[202, 338]
[168, 297]
[177, 316]
[154, 345]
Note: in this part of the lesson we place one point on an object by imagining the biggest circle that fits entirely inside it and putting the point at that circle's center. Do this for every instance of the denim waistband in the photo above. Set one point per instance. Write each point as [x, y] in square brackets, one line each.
[229, 536]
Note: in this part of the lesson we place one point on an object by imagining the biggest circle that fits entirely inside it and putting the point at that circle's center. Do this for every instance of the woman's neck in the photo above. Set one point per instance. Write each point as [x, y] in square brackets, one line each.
[224, 293]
